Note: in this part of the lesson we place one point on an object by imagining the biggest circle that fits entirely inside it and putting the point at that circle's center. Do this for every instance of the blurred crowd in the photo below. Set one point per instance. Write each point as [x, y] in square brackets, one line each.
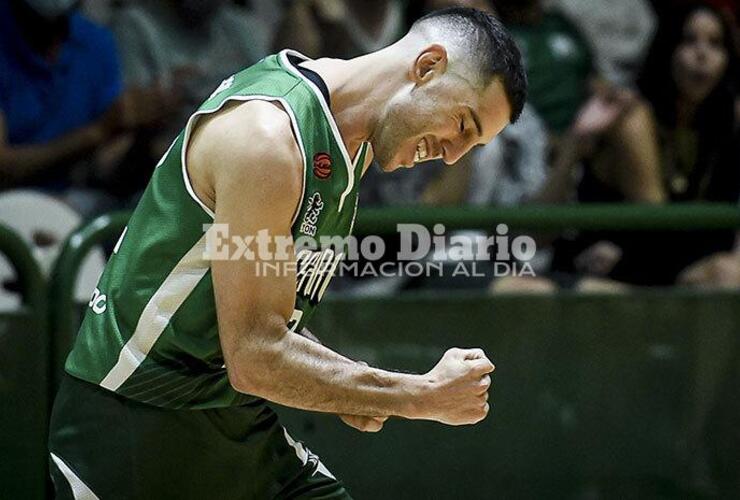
[631, 101]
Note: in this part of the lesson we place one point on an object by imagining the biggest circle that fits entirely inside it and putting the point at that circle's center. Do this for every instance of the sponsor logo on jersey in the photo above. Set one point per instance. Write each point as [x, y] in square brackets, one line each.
[322, 165]
[98, 302]
[315, 269]
[313, 210]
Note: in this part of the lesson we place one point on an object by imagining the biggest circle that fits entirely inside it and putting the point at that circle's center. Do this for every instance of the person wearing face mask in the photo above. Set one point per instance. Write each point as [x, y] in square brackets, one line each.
[61, 96]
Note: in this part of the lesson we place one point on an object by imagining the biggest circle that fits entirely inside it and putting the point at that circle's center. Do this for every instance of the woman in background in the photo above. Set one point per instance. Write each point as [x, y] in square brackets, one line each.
[676, 144]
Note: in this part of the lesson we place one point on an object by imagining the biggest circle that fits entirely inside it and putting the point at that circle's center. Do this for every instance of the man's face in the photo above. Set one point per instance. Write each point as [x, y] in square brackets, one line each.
[441, 115]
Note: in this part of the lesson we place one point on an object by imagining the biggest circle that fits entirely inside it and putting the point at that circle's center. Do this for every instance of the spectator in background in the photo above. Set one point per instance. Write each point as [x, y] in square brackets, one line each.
[619, 32]
[684, 140]
[719, 270]
[184, 48]
[557, 58]
[690, 80]
[60, 96]
[666, 8]
[340, 28]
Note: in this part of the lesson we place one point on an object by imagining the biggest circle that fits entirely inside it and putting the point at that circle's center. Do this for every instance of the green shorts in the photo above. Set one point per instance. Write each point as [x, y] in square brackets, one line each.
[106, 446]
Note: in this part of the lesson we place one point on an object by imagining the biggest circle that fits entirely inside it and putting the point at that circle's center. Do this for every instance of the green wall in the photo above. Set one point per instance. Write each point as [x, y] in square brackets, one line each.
[606, 394]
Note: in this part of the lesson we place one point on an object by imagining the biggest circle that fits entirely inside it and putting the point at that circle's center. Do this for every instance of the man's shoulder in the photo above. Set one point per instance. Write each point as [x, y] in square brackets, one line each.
[267, 124]
[251, 136]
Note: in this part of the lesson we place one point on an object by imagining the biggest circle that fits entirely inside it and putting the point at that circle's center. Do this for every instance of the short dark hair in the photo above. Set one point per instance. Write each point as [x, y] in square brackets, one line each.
[494, 48]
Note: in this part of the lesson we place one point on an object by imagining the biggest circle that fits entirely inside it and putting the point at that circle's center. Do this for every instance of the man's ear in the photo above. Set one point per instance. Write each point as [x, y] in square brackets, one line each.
[430, 63]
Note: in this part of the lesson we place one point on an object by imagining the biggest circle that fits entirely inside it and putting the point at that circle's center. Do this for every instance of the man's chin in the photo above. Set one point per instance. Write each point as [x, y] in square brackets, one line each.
[394, 166]
[389, 168]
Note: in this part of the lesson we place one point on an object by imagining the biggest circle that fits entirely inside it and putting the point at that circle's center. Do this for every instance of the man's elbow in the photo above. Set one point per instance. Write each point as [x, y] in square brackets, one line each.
[250, 368]
[241, 381]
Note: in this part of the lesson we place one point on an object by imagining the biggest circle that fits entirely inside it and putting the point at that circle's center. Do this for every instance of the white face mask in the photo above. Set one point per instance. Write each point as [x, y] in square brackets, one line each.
[51, 9]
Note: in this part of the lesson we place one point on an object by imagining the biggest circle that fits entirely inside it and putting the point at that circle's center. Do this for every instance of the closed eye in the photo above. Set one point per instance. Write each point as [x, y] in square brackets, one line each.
[462, 125]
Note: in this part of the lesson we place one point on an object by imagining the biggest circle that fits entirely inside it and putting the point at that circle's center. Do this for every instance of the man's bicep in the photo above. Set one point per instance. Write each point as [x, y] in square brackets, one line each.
[253, 269]
[254, 285]
[254, 298]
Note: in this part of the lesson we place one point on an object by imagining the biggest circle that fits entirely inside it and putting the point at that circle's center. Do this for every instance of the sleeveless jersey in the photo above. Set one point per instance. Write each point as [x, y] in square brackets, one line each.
[150, 332]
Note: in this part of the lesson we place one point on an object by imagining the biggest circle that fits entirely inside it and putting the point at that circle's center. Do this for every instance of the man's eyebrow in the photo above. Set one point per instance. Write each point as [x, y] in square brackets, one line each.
[476, 119]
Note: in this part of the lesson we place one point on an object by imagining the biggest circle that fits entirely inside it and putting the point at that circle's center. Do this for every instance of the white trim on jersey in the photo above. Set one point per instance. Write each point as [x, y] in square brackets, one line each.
[157, 314]
[351, 165]
[80, 491]
[241, 98]
[304, 454]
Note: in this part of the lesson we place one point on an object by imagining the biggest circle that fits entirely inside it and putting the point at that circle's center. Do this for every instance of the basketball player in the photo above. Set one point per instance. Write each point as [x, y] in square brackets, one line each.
[166, 386]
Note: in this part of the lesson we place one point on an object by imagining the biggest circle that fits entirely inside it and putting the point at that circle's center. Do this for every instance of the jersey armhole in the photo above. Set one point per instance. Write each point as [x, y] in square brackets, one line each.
[191, 126]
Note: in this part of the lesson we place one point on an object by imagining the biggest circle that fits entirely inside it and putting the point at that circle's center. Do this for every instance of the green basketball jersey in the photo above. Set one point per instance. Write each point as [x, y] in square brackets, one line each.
[150, 332]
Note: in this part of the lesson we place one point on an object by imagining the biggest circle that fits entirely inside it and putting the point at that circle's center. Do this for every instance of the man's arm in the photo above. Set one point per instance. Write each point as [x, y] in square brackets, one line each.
[249, 157]
[359, 422]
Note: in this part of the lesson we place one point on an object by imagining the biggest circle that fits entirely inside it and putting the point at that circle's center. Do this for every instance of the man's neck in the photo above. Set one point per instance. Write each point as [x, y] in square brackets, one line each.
[360, 89]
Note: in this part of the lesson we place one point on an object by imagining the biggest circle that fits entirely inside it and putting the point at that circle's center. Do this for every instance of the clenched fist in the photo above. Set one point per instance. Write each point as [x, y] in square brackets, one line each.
[458, 394]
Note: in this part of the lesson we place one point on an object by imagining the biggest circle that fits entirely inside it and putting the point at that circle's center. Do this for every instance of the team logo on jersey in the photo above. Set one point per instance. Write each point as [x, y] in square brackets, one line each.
[313, 210]
[315, 269]
[322, 165]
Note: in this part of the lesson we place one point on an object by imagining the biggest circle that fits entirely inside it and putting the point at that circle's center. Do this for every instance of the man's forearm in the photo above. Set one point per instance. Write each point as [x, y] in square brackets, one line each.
[297, 372]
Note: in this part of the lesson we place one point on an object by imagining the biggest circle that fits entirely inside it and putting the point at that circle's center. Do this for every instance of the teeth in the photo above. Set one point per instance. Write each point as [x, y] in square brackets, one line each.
[421, 151]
